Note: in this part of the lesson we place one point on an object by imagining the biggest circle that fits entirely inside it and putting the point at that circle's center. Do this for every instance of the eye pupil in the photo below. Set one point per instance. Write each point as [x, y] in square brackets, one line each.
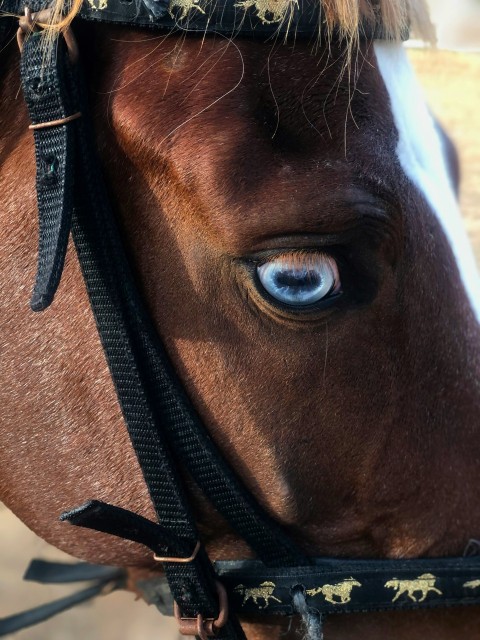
[300, 279]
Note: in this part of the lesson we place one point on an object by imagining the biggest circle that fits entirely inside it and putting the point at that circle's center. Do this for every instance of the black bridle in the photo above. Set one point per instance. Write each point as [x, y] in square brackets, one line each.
[164, 428]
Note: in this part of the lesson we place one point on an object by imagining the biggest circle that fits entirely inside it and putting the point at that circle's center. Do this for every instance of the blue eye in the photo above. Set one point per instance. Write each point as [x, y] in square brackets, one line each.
[300, 278]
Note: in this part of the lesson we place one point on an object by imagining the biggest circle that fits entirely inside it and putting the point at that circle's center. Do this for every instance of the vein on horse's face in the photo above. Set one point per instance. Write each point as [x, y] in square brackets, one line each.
[422, 158]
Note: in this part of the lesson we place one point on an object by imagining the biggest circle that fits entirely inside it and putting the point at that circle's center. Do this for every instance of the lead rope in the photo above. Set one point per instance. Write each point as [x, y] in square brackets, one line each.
[104, 580]
[312, 619]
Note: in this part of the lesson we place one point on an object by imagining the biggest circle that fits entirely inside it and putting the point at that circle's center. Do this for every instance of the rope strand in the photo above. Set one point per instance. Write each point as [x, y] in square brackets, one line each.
[312, 620]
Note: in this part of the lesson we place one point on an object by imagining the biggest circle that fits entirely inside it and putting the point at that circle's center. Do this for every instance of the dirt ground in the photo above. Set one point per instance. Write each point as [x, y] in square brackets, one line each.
[452, 84]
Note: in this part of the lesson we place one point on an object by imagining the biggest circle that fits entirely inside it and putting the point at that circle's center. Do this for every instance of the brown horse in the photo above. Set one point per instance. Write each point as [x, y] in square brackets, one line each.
[350, 409]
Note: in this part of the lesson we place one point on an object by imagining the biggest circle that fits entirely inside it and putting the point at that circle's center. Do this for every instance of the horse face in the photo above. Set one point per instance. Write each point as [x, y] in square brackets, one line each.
[352, 419]
[348, 417]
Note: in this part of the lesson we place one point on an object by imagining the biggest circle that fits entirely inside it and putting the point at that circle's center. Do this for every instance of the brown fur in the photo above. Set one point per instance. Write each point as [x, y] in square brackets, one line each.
[356, 427]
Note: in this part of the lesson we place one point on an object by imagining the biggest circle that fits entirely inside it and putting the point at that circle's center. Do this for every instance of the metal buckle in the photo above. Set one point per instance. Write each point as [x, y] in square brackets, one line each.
[202, 627]
[179, 560]
[30, 22]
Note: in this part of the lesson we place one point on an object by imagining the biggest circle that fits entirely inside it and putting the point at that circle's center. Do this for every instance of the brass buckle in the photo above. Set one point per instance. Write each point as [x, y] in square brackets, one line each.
[179, 560]
[202, 627]
[30, 22]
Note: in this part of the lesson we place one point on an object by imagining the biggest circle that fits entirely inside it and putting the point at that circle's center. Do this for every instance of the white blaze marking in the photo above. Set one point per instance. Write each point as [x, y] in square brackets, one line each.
[421, 155]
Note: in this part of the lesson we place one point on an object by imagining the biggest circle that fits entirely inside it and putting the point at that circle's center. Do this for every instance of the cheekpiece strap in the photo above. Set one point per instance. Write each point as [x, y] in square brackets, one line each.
[46, 73]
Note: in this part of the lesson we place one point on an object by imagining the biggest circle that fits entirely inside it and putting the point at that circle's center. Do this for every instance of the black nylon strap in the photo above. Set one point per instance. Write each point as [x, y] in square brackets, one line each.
[96, 237]
[150, 381]
[130, 526]
[193, 586]
[344, 586]
[47, 94]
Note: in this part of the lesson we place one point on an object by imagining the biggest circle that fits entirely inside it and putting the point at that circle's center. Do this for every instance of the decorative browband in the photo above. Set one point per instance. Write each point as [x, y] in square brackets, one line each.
[263, 18]
[248, 17]
[299, 19]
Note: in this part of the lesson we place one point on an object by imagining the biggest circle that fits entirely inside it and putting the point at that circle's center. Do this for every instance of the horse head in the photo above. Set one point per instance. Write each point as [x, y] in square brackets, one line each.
[392, 584]
[291, 217]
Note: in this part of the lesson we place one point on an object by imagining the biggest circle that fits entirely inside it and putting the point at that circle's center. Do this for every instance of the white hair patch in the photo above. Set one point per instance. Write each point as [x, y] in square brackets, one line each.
[421, 155]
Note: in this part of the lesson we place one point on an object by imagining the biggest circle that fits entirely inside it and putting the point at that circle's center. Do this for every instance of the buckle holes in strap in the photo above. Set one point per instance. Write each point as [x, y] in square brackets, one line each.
[49, 169]
[35, 21]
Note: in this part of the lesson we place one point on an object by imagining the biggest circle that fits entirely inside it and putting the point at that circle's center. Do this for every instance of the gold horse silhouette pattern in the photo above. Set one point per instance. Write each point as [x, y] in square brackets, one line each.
[99, 5]
[185, 6]
[263, 592]
[423, 585]
[339, 593]
[278, 9]
[473, 584]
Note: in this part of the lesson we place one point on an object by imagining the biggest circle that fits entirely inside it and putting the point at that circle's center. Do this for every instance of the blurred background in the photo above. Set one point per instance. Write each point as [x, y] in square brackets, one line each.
[458, 23]
[451, 79]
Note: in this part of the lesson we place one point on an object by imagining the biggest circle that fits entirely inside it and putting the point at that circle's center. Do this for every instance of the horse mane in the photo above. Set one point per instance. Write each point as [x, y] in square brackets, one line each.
[396, 16]
[346, 17]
